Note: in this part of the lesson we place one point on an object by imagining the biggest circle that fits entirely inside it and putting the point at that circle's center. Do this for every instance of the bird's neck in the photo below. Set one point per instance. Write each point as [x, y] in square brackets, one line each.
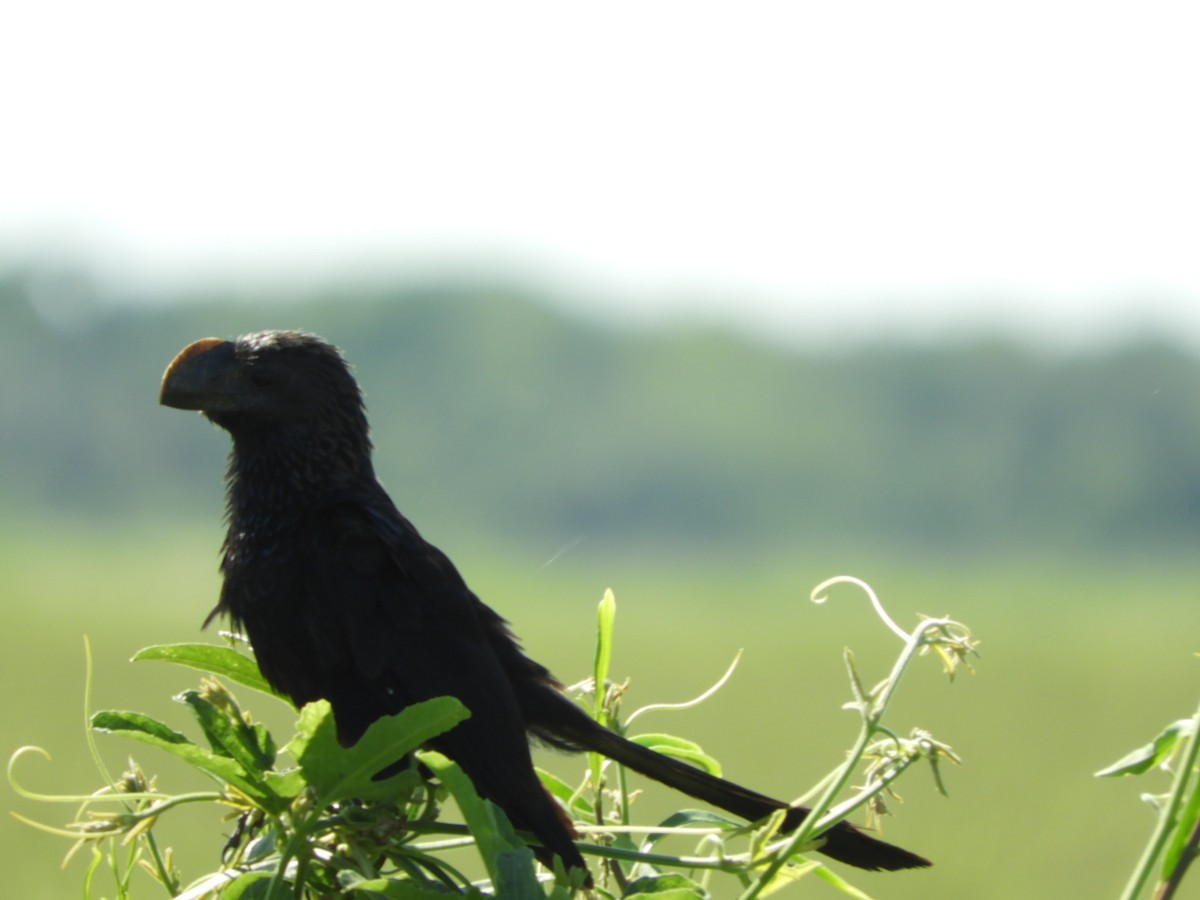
[273, 477]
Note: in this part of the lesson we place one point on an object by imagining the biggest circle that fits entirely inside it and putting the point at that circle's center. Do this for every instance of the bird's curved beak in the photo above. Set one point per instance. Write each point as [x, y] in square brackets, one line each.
[200, 377]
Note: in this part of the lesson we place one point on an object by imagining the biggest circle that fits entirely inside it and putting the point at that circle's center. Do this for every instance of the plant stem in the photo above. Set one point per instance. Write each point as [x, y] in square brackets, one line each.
[1167, 818]
[1171, 885]
[872, 712]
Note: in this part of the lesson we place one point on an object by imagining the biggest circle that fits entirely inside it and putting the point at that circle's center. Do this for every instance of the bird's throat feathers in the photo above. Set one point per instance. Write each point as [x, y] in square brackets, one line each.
[295, 470]
[273, 485]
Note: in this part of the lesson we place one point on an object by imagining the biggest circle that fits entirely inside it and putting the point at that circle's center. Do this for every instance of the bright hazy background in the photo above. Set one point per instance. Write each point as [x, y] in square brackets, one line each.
[858, 167]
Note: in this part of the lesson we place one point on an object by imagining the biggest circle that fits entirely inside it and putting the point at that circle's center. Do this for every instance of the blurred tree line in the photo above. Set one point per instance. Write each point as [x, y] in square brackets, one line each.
[495, 412]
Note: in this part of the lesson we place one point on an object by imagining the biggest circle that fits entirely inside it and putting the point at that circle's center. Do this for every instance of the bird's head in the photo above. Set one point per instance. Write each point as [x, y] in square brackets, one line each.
[272, 383]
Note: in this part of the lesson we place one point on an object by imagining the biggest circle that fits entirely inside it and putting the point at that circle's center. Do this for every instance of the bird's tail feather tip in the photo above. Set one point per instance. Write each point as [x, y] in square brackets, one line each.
[849, 845]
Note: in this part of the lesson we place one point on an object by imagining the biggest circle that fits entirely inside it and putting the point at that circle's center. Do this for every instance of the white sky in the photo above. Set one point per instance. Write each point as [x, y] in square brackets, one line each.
[837, 167]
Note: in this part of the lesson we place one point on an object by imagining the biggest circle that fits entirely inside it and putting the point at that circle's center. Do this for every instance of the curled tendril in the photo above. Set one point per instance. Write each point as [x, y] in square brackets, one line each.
[950, 640]
[821, 593]
[12, 778]
[110, 794]
[695, 701]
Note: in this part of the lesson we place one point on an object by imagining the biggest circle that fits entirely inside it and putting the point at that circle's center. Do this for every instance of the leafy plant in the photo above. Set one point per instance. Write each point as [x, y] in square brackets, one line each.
[1175, 842]
[315, 819]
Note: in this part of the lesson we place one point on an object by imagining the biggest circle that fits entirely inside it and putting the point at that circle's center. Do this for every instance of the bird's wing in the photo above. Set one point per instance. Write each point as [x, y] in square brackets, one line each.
[397, 621]
[401, 626]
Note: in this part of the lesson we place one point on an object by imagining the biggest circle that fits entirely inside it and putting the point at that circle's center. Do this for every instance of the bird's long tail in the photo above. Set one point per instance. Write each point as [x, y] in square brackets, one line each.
[843, 842]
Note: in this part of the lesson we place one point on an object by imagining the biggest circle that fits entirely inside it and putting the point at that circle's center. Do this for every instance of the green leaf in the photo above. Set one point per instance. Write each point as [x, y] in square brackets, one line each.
[391, 888]
[606, 615]
[515, 873]
[665, 887]
[1183, 829]
[509, 862]
[151, 730]
[142, 728]
[229, 734]
[796, 868]
[286, 784]
[223, 661]
[248, 886]
[827, 875]
[578, 803]
[1150, 755]
[680, 748]
[338, 773]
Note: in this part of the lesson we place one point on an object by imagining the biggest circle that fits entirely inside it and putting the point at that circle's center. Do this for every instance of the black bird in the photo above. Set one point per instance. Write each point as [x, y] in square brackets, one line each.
[342, 598]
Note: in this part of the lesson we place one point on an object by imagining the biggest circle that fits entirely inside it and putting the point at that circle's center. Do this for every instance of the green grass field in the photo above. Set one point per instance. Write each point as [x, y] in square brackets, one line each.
[1082, 661]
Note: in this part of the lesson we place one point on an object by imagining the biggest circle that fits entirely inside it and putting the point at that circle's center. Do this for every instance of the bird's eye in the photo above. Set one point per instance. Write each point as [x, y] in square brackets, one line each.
[260, 378]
